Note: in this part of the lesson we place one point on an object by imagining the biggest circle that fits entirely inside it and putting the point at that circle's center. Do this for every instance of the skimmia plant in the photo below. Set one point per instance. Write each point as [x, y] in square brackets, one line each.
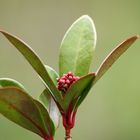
[63, 92]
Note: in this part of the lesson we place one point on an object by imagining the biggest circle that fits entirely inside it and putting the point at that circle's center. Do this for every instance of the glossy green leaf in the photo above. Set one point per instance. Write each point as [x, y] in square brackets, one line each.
[22, 109]
[76, 89]
[77, 47]
[36, 63]
[47, 100]
[113, 56]
[5, 82]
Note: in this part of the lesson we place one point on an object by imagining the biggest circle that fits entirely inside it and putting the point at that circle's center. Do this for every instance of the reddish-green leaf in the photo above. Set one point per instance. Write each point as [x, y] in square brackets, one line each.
[113, 56]
[77, 88]
[36, 63]
[22, 109]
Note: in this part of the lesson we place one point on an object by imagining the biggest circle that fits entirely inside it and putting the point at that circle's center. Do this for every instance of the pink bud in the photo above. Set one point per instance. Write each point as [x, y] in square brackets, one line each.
[62, 81]
[70, 73]
[70, 77]
[65, 85]
[76, 78]
[67, 81]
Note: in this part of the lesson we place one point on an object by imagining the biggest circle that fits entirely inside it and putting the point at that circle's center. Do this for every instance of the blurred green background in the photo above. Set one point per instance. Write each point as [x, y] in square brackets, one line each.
[112, 109]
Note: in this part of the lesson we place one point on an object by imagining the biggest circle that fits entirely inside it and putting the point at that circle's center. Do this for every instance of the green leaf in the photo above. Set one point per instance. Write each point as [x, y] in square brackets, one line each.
[51, 106]
[36, 63]
[52, 73]
[4, 82]
[77, 47]
[19, 107]
[77, 88]
[83, 95]
[47, 100]
[113, 56]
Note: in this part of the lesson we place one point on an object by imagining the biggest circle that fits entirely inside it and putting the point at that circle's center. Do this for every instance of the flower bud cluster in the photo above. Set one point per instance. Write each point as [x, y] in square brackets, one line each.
[65, 81]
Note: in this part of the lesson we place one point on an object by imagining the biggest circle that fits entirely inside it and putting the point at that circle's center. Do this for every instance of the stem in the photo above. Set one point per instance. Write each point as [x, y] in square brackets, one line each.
[46, 138]
[67, 134]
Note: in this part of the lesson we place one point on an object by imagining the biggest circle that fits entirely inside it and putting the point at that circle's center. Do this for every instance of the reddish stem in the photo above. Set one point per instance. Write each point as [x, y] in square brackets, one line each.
[68, 123]
[48, 138]
[67, 134]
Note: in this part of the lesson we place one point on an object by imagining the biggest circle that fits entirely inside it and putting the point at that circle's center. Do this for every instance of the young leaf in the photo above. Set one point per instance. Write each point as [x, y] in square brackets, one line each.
[6, 82]
[113, 56]
[36, 63]
[77, 47]
[47, 100]
[22, 109]
[77, 88]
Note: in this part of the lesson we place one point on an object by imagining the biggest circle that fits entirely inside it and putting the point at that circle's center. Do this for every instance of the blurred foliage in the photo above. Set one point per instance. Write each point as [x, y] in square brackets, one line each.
[111, 111]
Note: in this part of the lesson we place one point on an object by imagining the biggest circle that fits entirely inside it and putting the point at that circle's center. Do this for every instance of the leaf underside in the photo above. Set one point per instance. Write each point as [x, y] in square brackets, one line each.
[113, 56]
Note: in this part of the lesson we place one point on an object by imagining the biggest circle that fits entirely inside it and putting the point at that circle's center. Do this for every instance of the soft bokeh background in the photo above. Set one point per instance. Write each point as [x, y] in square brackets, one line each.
[112, 109]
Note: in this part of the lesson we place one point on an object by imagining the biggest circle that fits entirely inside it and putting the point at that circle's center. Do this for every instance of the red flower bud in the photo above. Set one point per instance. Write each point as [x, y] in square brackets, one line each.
[65, 81]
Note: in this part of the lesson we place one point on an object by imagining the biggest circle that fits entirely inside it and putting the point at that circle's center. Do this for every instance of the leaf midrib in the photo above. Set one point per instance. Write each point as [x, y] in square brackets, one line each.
[77, 53]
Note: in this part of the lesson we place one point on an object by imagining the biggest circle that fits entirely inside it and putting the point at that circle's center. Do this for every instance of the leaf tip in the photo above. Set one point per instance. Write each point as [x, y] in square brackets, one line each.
[89, 21]
[1, 31]
[137, 36]
[85, 18]
[4, 33]
[132, 39]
